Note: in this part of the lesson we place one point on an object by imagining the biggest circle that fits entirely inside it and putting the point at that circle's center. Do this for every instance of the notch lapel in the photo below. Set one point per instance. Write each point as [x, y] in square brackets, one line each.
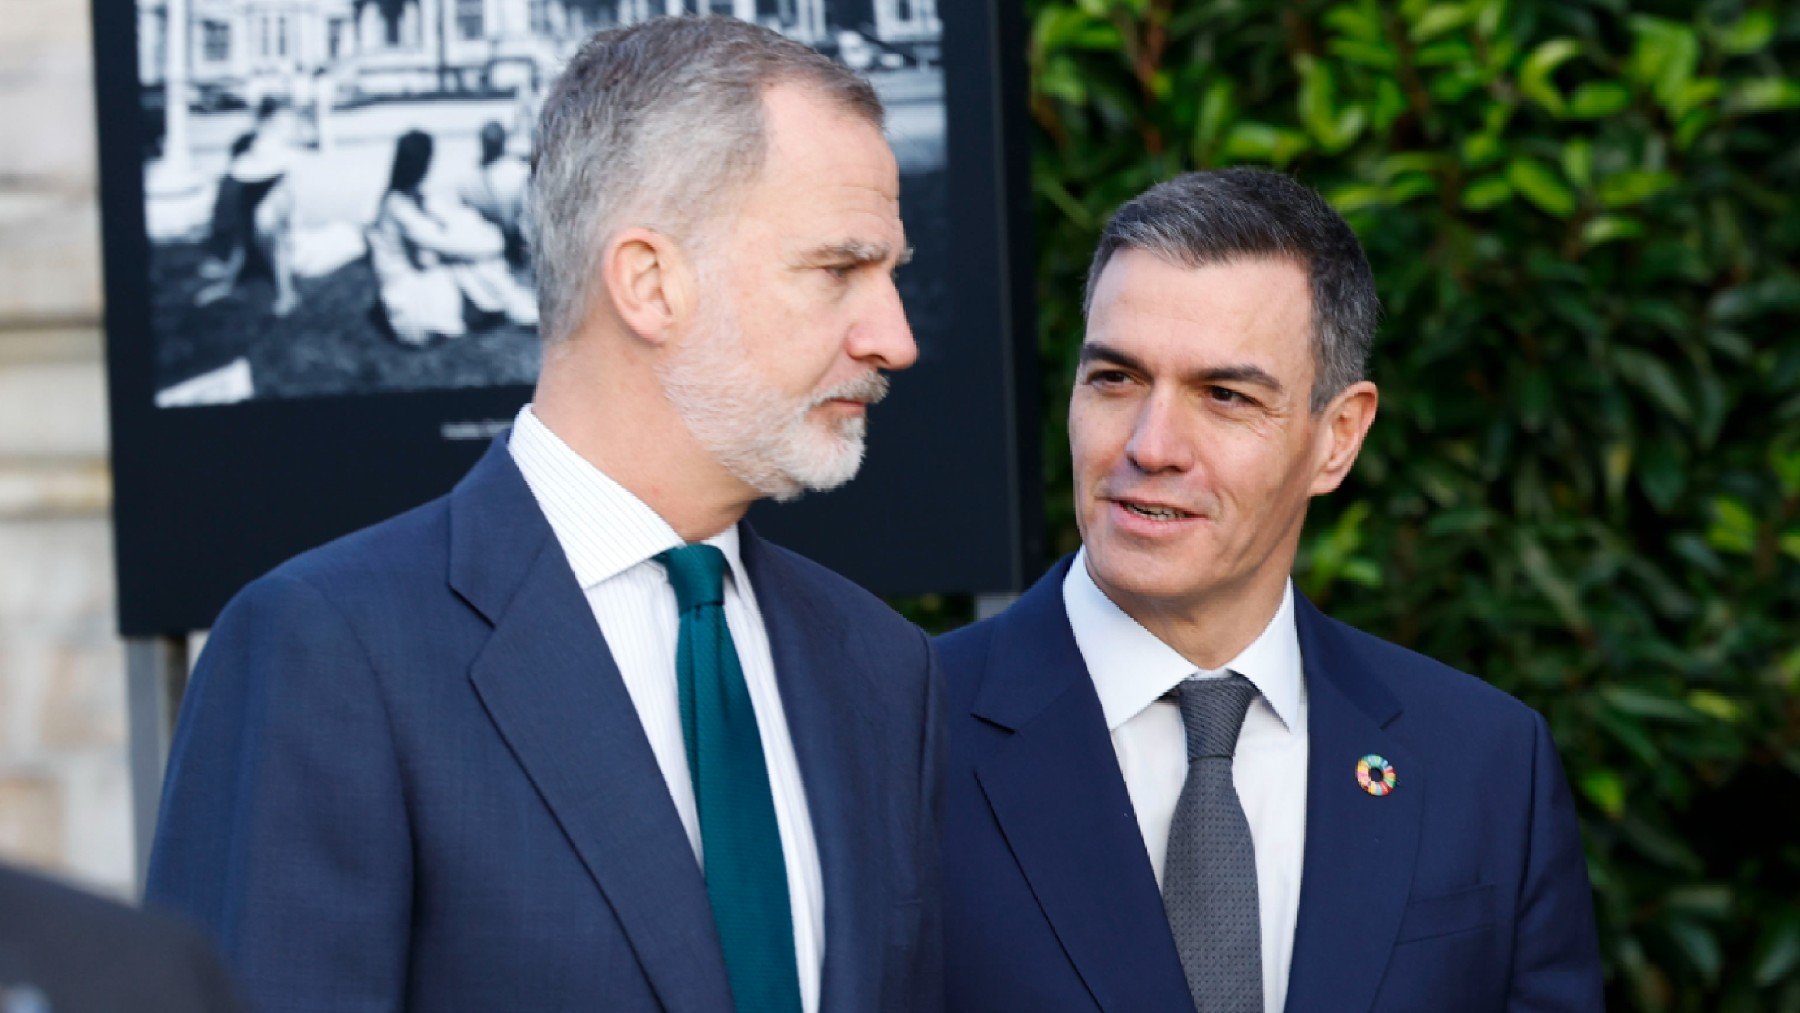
[825, 699]
[549, 684]
[1359, 848]
[1061, 802]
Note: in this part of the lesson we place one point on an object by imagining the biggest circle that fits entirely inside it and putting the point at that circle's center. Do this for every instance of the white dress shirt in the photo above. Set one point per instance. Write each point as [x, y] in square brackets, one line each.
[1132, 670]
[610, 538]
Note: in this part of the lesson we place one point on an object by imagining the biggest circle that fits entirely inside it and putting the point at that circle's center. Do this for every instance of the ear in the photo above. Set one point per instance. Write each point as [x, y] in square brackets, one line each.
[1345, 421]
[649, 282]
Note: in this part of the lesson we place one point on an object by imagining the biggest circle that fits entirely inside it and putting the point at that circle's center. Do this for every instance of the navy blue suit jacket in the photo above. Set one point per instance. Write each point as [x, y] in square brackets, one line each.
[1464, 889]
[407, 774]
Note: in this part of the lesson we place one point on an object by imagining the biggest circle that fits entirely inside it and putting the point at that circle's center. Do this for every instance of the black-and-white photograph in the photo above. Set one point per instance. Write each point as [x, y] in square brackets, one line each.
[319, 305]
[334, 189]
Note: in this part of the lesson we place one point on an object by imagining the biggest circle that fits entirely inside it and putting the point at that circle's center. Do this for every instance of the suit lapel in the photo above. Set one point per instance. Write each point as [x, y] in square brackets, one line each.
[824, 699]
[1056, 791]
[548, 682]
[1359, 848]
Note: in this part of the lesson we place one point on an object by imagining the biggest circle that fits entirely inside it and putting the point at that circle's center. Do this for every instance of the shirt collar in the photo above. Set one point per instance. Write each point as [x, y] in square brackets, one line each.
[1132, 669]
[603, 528]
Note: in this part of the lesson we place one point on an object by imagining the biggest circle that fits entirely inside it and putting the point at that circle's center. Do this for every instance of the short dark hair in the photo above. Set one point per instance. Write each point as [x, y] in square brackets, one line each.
[1218, 216]
[493, 141]
[412, 160]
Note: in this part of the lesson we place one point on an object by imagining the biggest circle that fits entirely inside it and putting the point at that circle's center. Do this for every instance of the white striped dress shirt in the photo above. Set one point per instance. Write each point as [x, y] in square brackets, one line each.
[1132, 671]
[611, 538]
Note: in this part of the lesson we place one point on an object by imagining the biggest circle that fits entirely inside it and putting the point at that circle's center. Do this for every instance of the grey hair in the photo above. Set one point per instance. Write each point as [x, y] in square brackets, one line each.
[657, 125]
[1214, 217]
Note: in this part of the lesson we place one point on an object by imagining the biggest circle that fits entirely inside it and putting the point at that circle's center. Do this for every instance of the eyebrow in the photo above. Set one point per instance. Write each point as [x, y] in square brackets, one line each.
[1094, 351]
[857, 252]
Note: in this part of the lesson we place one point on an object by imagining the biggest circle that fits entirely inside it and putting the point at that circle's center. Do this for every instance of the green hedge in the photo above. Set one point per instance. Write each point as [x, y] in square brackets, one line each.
[1584, 483]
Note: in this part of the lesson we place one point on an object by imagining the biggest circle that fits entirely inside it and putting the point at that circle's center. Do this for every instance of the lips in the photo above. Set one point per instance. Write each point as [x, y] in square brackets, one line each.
[1151, 510]
[865, 390]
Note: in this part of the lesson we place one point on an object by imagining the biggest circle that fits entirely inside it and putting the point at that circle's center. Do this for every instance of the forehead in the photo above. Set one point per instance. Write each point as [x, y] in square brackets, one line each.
[1250, 310]
[825, 169]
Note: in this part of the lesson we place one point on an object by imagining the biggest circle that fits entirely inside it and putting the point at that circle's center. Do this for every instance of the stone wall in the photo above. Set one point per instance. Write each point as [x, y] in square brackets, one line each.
[65, 801]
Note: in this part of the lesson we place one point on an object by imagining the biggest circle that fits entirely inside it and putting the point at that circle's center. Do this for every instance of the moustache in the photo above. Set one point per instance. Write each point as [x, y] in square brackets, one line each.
[870, 388]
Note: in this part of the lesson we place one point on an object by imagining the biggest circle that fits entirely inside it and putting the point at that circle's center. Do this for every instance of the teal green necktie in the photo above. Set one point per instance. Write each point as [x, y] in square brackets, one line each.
[746, 878]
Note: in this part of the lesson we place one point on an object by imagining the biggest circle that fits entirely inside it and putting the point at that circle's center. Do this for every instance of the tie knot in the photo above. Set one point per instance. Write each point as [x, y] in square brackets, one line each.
[697, 572]
[1213, 712]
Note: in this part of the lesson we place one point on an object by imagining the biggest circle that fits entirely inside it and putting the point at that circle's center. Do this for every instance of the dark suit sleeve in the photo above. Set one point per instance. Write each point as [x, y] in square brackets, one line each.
[1556, 957]
[283, 831]
[929, 974]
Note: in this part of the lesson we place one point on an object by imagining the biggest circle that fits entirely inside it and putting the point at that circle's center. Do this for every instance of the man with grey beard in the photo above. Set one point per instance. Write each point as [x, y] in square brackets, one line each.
[573, 736]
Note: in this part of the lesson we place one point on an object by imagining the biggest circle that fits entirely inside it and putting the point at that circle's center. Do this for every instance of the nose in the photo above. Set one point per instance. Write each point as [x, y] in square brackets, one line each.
[1159, 438]
[882, 338]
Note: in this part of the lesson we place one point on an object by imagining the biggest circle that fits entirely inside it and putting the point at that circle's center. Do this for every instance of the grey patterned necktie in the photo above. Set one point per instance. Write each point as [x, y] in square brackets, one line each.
[1209, 876]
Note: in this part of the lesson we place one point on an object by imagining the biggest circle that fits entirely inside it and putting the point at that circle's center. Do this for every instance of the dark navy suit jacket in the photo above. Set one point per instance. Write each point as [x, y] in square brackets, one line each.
[1463, 890]
[407, 774]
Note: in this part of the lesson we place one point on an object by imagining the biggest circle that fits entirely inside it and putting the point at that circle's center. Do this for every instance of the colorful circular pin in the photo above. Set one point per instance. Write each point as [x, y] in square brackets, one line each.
[1376, 775]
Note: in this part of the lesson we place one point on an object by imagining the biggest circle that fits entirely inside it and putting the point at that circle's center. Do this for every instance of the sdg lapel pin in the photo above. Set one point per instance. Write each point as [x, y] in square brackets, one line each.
[1376, 775]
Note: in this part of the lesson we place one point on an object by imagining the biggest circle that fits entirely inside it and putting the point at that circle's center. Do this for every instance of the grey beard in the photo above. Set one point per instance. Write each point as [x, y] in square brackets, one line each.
[762, 437]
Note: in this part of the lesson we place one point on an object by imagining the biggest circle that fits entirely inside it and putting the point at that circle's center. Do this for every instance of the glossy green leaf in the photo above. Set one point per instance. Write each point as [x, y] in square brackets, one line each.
[1664, 56]
[1749, 34]
[1578, 162]
[1733, 528]
[1777, 956]
[1701, 900]
[1540, 184]
[1606, 790]
[1714, 704]
[1556, 587]
[1535, 73]
[1061, 78]
[1480, 150]
[1373, 55]
[1262, 142]
[1763, 95]
[1785, 462]
[1060, 29]
[1599, 99]
[1656, 379]
[1603, 229]
[1699, 945]
[1216, 112]
[1644, 704]
[1439, 19]
[1623, 189]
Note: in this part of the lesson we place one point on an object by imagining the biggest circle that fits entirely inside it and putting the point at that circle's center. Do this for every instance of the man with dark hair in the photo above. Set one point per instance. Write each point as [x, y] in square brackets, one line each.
[1173, 782]
[574, 737]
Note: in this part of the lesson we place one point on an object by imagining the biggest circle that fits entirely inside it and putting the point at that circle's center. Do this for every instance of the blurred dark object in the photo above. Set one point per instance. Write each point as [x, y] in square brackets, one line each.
[64, 951]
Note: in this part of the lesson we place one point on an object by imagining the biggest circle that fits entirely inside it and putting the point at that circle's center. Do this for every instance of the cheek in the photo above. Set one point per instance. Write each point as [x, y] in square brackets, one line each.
[1091, 446]
[1265, 489]
[1258, 461]
[796, 357]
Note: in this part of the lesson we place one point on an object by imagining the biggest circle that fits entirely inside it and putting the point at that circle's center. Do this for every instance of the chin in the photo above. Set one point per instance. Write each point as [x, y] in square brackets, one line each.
[818, 460]
[1149, 575]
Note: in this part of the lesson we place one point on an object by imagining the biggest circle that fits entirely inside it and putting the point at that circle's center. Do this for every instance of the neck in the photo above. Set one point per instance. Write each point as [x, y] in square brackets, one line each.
[604, 400]
[1207, 630]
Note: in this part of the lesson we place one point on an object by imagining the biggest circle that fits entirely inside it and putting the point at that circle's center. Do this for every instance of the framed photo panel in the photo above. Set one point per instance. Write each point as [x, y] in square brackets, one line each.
[282, 372]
